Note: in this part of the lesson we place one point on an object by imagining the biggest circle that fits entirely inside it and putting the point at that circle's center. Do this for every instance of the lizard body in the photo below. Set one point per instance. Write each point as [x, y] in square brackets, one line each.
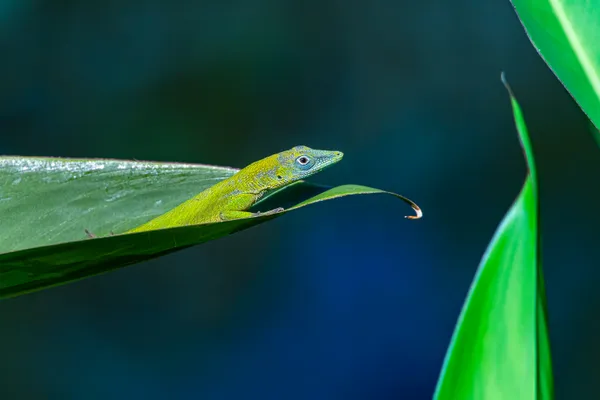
[232, 197]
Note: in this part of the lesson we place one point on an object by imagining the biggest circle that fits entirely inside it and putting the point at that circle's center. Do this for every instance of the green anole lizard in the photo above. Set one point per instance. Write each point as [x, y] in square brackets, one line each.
[232, 197]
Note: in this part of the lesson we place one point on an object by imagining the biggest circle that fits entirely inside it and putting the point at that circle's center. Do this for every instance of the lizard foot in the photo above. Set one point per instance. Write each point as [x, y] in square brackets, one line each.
[92, 236]
[273, 211]
[230, 215]
[89, 234]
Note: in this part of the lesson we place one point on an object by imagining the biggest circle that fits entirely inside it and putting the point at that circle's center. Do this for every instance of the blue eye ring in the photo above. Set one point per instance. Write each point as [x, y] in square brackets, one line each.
[304, 162]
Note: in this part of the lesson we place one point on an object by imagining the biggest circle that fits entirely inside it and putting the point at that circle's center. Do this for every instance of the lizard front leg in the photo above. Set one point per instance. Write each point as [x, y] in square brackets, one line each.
[240, 202]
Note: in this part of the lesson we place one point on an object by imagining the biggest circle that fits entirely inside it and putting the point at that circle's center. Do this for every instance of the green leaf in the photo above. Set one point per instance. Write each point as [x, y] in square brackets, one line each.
[47, 203]
[500, 347]
[566, 33]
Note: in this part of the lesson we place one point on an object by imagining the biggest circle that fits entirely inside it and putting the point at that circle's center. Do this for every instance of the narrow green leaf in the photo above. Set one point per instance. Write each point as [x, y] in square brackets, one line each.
[500, 347]
[46, 203]
[566, 33]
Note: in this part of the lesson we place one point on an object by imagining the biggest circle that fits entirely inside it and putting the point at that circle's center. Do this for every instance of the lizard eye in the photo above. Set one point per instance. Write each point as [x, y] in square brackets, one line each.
[304, 163]
[303, 160]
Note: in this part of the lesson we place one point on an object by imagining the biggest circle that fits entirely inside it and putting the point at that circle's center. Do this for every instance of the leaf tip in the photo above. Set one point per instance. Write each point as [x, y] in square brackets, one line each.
[505, 83]
[419, 213]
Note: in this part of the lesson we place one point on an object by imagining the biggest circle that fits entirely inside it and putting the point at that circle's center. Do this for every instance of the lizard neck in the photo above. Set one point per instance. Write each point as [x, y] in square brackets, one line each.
[263, 176]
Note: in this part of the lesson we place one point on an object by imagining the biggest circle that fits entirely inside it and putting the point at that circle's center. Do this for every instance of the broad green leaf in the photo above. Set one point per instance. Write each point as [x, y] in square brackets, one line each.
[566, 33]
[500, 347]
[46, 203]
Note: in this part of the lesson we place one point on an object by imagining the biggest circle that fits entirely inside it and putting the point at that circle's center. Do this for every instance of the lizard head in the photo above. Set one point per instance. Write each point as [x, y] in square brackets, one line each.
[301, 162]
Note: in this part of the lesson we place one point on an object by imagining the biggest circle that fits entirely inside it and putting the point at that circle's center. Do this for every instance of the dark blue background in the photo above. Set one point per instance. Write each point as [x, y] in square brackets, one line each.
[343, 300]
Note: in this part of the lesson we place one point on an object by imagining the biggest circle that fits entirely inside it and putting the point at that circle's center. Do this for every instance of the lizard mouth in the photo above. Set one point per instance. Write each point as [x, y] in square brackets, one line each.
[329, 160]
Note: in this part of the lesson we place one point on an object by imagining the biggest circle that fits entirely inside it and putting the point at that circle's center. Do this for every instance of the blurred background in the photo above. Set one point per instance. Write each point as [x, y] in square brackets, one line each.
[343, 300]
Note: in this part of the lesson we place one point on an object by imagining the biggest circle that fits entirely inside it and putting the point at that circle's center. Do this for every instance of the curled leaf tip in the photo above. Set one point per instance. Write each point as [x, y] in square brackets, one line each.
[415, 207]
